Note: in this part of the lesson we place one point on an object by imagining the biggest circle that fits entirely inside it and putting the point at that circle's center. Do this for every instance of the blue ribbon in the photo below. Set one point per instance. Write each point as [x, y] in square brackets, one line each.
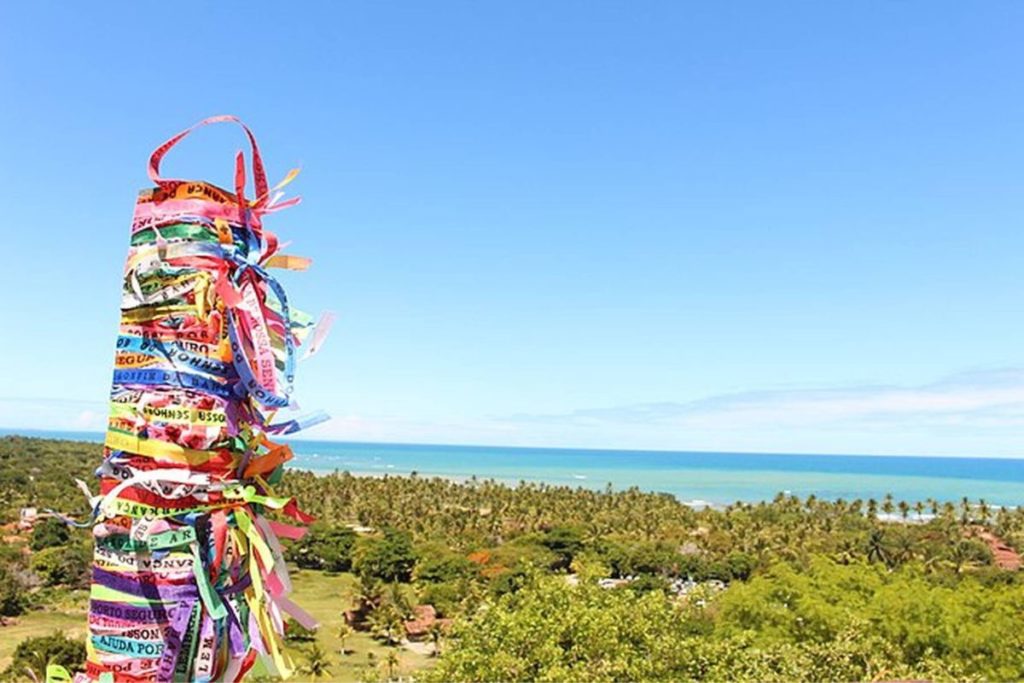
[181, 380]
[248, 383]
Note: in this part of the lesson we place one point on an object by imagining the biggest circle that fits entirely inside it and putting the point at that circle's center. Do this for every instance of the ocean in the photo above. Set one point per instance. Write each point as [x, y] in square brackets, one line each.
[696, 478]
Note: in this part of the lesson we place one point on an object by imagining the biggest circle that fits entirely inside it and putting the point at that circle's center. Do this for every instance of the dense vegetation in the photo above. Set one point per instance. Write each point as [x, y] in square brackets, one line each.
[780, 590]
[830, 622]
[41, 473]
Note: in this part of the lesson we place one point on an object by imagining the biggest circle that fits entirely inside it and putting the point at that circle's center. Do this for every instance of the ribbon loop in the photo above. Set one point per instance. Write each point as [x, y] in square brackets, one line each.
[259, 173]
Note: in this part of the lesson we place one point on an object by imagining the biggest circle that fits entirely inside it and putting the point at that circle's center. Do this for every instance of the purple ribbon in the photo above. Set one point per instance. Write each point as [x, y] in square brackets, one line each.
[173, 640]
[236, 637]
[118, 610]
[151, 591]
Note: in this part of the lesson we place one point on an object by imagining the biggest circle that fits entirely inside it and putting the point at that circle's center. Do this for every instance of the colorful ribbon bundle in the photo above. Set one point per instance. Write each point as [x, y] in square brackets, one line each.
[189, 581]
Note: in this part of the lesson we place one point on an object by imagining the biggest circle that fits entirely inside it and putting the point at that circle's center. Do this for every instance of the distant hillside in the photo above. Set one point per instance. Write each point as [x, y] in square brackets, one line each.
[42, 473]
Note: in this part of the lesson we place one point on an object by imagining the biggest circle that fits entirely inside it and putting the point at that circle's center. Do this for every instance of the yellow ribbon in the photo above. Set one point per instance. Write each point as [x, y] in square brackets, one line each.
[152, 448]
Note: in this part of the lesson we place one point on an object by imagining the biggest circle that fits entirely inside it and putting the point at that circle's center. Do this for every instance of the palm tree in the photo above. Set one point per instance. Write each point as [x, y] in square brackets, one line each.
[984, 512]
[367, 594]
[904, 548]
[887, 505]
[344, 631]
[904, 509]
[961, 554]
[877, 549]
[371, 672]
[435, 632]
[394, 595]
[386, 623]
[1003, 518]
[391, 662]
[317, 665]
[919, 509]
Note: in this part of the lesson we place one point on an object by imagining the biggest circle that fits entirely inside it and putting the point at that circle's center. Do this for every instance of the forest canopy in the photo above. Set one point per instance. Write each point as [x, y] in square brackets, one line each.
[543, 582]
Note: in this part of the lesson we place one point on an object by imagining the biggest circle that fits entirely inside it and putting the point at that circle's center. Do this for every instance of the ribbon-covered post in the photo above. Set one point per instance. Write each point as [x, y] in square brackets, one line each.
[189, 581]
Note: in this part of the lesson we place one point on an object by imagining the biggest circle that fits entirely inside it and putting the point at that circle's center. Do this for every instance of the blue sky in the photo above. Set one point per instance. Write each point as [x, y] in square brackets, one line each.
[753, 226]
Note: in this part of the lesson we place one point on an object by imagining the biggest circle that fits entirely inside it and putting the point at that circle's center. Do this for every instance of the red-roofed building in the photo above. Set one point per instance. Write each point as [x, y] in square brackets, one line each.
[418, 628]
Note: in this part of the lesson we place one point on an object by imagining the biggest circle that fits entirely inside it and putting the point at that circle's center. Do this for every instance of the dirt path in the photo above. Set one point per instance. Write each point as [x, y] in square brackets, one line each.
[1004, 556]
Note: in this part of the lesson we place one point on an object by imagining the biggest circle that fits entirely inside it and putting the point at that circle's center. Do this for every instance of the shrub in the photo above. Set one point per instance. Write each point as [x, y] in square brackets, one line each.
[13, 598]
[63, 566]
[324, 547]
[389, 557]
[50, 532]
[441, 567]
[34, 654]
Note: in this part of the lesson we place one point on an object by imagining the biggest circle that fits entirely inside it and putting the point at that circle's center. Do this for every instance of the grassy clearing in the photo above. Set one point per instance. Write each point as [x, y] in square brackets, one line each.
[322, 595]
[33, 624]
[325, 597]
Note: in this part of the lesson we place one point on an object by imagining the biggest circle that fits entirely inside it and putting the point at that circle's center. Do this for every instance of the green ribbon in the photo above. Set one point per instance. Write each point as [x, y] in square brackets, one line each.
[121, 543]
[214, 605]
[190, 642]
[172, 539]
[198, 233]
[55, 673]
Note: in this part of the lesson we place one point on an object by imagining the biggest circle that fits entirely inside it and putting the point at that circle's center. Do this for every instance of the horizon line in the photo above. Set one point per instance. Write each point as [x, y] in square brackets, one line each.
[32, 433]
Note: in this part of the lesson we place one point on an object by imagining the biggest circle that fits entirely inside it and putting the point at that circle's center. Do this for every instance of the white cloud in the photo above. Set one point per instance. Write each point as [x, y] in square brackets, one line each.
[970, 414]
[52, 414]
[979, 413]
[962, 396]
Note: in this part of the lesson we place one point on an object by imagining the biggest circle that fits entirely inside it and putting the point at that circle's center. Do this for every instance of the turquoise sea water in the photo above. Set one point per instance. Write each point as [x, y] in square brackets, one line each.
[716, 478]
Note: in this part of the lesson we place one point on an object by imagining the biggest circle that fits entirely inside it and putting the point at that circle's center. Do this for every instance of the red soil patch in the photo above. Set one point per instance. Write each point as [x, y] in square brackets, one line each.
[1004, 556]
